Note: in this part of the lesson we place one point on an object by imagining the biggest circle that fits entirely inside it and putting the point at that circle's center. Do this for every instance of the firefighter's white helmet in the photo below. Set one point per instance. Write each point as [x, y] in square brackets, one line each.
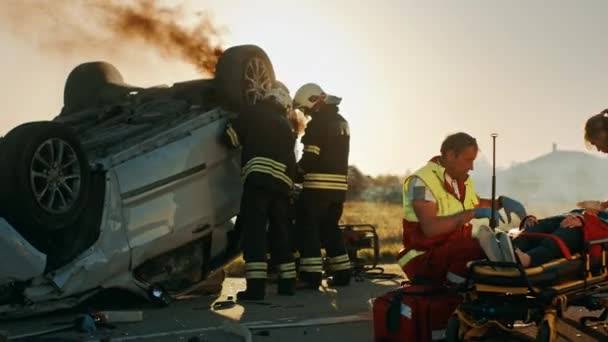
[311, 95]
[280, 94]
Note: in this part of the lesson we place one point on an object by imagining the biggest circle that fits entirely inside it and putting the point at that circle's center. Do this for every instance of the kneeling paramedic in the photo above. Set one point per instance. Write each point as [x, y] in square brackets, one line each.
[267, 170]
[439, 200]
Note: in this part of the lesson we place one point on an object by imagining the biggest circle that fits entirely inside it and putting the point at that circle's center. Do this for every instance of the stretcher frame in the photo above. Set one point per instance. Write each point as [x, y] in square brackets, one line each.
[488, 302]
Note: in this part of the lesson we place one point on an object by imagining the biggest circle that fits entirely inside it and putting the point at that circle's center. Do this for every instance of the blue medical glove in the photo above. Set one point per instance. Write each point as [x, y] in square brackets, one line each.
[603, 215]
[512, 206]
[487, 213]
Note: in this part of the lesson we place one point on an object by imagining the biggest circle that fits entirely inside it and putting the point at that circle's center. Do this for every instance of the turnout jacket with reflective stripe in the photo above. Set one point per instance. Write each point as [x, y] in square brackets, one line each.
[267, 142]
[324, 163]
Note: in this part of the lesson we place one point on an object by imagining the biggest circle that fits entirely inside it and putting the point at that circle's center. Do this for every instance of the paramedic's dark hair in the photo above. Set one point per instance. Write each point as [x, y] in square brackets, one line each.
[595, 125]
[457, 142]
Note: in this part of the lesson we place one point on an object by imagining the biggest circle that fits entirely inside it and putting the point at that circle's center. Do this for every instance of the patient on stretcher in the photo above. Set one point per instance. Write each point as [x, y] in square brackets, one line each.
[549, 238]
[564, 234]
[573, 229]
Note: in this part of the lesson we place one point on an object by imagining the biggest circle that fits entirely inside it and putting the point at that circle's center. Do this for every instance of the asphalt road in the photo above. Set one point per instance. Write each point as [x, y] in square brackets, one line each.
[324, 315]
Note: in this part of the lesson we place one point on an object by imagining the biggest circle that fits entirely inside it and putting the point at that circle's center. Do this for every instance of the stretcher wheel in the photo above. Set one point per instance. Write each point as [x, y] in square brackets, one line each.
[544, 333]
[452, 331]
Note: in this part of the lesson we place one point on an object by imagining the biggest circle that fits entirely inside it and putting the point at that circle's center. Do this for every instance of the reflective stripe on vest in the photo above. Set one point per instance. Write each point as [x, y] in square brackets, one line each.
[433, 175]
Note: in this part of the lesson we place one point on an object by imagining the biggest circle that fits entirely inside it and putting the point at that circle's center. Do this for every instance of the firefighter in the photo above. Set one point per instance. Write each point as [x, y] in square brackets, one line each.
[267, 170]
[439, 200]
[323, 170]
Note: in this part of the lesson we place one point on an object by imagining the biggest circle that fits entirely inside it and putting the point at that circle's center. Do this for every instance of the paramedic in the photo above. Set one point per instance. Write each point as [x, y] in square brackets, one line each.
[439, 200]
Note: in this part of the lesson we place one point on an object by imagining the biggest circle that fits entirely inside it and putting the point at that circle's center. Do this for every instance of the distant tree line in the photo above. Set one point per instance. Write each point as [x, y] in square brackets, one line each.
[381, 188]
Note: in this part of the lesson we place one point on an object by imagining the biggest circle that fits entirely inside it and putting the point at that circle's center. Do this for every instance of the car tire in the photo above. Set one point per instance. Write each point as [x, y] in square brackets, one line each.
[84, 84]
[243, 75]
[45, 179]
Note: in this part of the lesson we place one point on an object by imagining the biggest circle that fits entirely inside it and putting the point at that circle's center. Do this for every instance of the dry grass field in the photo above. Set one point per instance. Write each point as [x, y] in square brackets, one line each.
[386, 217]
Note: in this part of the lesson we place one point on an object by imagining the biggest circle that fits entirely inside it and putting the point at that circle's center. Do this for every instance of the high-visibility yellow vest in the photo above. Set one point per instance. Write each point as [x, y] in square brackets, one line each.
[433, 175]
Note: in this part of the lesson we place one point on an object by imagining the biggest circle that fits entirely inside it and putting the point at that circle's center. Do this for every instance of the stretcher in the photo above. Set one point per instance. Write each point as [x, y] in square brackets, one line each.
[499, 294]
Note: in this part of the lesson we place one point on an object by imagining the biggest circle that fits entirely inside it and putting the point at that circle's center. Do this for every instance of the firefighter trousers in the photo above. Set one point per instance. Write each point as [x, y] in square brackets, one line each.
[316, 227]
[265, 212]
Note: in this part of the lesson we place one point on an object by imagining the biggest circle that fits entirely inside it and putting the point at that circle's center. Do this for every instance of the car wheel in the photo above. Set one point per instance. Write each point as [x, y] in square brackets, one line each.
[85, 82]
[45, 176]
[243, 76]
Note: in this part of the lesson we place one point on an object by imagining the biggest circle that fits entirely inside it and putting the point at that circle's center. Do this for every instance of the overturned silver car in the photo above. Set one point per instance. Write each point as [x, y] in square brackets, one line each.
[126, 188]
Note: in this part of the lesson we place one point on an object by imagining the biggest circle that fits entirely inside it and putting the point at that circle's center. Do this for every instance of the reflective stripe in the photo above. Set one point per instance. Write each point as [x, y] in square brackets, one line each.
[338, 259]
[409, 256]
[256, 270]
[287, 266]
[312, 149]
[345, 265]
[314, 264]
[325, 185]
[313, 260]
[339, 263]
[311, 268]
[234, 138]
[325, 181]
[256, 265]
[287, 275]
[266, 161]
[267, 170]
[326, 177]
[256, 275]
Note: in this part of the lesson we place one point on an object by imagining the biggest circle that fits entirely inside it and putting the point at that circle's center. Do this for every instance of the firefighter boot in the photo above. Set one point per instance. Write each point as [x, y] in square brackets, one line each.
[339, 278]
[287, 287]
[256, 290]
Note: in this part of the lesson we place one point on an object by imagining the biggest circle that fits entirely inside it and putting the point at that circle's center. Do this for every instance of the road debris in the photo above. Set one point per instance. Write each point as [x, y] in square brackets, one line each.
[119, 316]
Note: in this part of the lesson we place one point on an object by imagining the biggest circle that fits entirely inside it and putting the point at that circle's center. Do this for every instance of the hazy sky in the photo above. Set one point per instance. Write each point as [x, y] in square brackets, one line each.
[409, 72]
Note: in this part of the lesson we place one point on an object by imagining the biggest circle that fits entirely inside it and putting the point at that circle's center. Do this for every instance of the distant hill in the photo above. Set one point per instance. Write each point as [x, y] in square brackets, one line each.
[557, 178]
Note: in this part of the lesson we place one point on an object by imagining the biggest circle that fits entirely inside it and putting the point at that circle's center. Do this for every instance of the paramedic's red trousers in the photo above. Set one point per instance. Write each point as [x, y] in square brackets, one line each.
[447, 260]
